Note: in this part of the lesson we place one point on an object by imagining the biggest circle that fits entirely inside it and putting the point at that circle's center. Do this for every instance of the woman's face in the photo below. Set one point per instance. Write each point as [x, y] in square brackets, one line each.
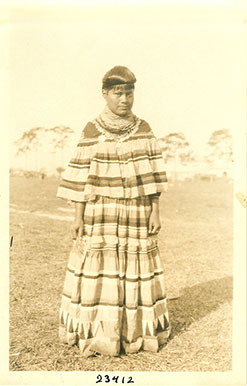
[119, 100]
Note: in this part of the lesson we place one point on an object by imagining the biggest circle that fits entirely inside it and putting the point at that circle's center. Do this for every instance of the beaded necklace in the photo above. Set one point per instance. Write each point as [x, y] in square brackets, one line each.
[114, 127]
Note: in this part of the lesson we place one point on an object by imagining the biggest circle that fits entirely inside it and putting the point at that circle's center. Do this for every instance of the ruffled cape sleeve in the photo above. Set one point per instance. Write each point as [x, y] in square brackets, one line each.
[72, 186]
[102, 166]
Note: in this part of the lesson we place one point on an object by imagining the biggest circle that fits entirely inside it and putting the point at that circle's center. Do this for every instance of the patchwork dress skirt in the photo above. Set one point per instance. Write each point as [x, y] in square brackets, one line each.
[114, 295]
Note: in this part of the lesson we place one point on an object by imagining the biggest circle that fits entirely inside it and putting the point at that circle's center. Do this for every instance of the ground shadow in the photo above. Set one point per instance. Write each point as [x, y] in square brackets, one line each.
[197, 301]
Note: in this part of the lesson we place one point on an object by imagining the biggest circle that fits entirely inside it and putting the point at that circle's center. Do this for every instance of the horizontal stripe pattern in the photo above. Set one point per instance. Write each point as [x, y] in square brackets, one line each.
[134, 137]
[114, 284]
[140, 155]
[121, 170]
[98, 302]
[115, 276]
[98, 181]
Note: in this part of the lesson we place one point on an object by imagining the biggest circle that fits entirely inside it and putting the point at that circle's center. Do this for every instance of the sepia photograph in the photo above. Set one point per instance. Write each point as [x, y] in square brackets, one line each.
[126, 142]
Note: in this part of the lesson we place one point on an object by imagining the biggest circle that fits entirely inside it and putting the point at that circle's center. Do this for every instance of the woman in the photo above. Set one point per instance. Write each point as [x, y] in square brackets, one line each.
[114, 292]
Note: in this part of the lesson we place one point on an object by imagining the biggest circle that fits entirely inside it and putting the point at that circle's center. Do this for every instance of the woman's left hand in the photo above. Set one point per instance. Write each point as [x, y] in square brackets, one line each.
[154, 223]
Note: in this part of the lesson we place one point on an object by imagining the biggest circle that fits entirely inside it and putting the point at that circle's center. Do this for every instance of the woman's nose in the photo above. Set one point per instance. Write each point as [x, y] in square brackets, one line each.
[124, 98]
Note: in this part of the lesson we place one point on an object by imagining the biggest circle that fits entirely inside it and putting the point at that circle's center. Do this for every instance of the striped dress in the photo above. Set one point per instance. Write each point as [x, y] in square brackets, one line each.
[114, 296]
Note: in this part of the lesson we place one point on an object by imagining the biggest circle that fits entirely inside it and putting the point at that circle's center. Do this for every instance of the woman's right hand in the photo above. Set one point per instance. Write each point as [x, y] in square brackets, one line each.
[77, 229]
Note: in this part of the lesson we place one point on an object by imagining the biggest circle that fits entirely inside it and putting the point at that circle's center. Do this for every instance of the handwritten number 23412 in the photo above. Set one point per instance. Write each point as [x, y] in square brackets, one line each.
[115, 379]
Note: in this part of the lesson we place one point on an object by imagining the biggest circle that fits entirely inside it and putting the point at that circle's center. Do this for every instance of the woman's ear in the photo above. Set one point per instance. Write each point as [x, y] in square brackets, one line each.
[104, 93]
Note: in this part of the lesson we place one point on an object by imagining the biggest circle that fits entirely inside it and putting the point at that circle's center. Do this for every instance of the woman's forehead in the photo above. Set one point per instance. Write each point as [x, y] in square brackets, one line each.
[123, 87]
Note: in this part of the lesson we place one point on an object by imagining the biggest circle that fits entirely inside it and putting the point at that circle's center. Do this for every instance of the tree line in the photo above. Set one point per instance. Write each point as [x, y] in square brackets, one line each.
[175, 147]
[55, 140]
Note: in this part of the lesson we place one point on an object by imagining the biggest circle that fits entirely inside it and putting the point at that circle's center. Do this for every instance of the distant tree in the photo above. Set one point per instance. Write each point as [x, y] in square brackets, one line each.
[42, 173]
[59, 137]
[23, 147]
[220, 147]
[176, 148]
[54, 140]
[30, 141]
[60, 170]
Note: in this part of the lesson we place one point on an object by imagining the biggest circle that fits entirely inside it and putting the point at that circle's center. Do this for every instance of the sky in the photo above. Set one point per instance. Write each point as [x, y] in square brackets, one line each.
[189, 64]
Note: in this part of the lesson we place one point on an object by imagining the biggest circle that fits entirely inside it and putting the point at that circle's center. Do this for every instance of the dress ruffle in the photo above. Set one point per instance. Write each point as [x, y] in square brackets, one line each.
[106, 303]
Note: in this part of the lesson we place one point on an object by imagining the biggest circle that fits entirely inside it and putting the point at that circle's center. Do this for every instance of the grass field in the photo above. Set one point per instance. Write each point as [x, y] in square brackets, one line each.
[196, 250]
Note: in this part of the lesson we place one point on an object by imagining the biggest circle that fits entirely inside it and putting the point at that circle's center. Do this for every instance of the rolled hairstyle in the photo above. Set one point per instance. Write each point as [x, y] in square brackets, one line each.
[118, 75]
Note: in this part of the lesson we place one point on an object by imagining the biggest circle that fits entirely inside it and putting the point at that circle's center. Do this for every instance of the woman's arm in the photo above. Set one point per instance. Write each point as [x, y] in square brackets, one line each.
[77, 226]
[154, 220]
